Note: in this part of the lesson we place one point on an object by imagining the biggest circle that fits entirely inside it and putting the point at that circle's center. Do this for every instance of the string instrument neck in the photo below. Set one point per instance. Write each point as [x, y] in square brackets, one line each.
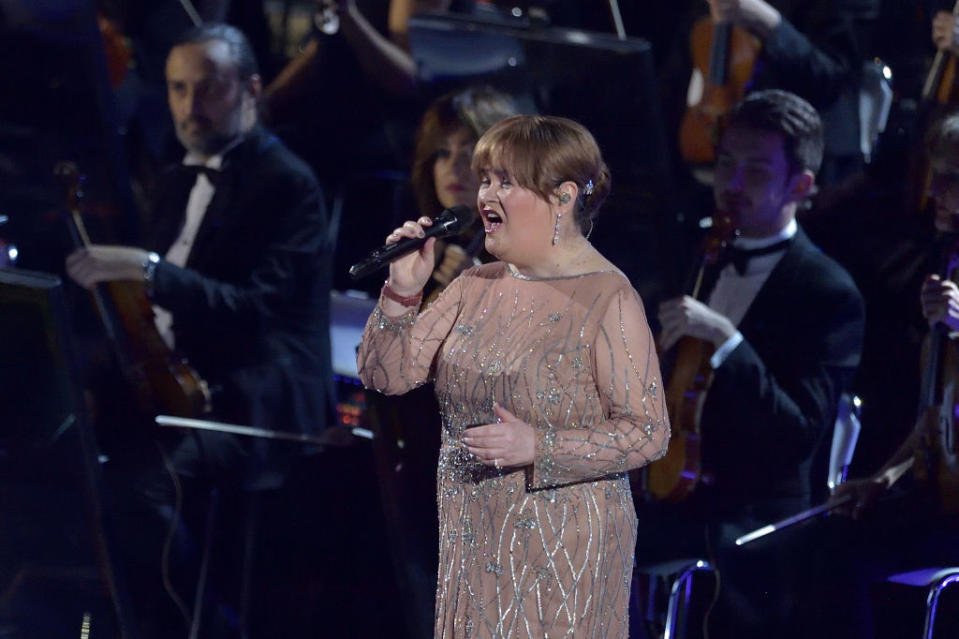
[674, 477]
[719, 53]
[934, 373]
[715, 245]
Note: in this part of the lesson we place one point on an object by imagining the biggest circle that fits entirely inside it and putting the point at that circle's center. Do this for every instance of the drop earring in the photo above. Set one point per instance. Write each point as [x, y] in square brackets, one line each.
[563, 199]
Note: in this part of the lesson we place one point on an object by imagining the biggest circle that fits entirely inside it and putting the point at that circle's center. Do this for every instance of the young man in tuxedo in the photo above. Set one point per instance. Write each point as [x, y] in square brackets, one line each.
[237, 265]
[786, 323]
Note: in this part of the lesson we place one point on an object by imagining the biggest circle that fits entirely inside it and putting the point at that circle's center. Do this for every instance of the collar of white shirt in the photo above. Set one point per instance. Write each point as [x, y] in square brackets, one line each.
[193, 158]
[750, 243]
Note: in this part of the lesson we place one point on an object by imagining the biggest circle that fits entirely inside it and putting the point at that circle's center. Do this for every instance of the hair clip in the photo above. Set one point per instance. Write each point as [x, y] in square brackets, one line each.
[588, 189]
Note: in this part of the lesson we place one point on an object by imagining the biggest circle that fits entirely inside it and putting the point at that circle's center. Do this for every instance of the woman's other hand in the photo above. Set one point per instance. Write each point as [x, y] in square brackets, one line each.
[508, 443]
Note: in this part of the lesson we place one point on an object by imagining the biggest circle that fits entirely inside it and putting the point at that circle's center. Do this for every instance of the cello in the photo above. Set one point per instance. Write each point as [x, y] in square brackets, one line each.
[724, 57]
[673, 477]
[163, 381]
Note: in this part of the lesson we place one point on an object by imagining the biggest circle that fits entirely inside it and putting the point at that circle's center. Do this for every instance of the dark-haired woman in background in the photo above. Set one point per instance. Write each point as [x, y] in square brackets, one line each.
[441, 176]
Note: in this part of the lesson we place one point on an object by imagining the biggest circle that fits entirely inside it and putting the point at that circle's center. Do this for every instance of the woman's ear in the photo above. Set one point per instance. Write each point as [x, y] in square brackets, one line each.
[567, 192]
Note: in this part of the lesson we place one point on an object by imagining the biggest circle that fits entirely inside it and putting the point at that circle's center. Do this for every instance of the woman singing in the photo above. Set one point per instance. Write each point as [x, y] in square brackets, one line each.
[549, 388]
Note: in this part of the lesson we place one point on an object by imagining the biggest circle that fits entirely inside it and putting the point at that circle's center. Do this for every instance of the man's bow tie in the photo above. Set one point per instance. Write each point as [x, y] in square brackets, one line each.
[196, 169]
[740, 257]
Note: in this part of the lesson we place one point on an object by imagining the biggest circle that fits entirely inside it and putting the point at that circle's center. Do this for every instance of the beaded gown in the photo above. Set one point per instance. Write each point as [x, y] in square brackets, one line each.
[544, 550]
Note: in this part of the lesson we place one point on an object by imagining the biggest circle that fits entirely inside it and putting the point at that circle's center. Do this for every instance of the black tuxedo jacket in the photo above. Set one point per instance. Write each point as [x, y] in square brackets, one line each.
[816, 52]
[773, 401]
[251, 306]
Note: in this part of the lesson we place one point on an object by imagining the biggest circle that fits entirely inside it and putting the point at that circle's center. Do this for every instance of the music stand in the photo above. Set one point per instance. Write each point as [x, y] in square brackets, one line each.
[49, 452]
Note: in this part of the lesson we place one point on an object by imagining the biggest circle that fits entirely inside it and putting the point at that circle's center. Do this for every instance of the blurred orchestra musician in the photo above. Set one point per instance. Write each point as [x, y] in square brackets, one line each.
[352, 88]
[375, 31]
[813, 49]
[240, 284]
[777, 373]
[907, 511]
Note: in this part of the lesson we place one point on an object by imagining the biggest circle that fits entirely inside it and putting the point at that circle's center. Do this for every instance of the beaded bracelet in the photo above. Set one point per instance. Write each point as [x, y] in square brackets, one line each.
[411, 300]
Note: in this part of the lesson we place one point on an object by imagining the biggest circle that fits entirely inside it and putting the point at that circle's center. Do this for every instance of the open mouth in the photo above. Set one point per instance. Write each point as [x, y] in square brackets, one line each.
[491, 221]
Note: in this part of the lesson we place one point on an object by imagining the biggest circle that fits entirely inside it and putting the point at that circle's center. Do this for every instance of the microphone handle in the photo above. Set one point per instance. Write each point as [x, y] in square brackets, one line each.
[389, 252]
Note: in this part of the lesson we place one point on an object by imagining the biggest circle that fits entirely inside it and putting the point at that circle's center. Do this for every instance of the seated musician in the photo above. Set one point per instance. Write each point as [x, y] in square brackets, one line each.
[240, 283]
[945, 35]
[786, 322]
[814, 49]
[907, 512]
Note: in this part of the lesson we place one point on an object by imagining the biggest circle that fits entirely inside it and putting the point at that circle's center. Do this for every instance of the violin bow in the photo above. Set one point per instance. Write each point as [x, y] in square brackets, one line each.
[617, 19]
[893, 473]
[191, 12]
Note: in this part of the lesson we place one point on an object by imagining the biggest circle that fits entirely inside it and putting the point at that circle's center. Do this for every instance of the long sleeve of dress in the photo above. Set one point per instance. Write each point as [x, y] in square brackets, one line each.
[635, 427]
[397, 354]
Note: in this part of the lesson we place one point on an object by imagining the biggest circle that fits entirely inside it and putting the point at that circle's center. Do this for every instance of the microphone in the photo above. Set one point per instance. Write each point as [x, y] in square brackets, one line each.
[449, 222]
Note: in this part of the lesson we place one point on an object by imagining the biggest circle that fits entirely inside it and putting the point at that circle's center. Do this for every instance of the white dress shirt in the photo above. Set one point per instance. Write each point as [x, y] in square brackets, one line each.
[179, 252]
[734, 293]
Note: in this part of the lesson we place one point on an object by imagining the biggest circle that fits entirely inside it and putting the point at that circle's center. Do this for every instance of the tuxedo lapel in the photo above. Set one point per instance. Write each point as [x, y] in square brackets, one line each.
[220, 210]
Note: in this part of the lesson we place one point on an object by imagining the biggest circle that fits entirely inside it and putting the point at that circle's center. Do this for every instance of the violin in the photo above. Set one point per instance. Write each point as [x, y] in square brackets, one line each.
[724, 57]
[163, 381]
[935, 456]
[673, 477]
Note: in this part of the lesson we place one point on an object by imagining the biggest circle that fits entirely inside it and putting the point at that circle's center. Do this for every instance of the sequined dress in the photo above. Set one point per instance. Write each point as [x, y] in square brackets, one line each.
[544, 550]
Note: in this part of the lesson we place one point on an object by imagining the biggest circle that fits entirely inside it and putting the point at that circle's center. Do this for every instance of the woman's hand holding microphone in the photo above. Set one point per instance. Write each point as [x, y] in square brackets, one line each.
[410, 273]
